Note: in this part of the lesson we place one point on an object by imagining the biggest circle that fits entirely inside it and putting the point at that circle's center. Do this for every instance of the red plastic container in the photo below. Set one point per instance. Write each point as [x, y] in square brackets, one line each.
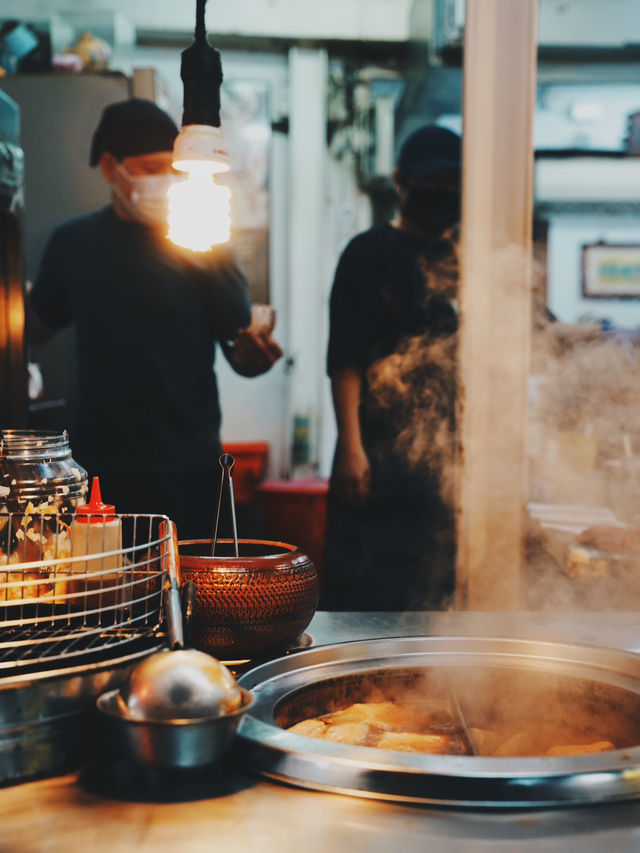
[296, 511]
[250, 468]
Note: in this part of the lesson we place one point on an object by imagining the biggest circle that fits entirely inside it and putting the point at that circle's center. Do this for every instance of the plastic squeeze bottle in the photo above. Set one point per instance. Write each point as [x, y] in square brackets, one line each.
[95, 530]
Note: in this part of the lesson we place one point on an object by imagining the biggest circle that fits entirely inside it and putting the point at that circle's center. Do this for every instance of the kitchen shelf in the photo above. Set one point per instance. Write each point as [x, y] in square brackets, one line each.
[588, 180]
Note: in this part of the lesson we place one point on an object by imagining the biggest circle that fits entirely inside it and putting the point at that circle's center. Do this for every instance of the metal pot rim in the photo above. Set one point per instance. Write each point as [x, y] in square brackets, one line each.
[107, 704]
[411, 777]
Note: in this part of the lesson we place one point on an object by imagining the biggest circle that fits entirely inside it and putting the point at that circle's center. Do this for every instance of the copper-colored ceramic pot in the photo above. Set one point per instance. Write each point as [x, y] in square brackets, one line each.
[250, 606]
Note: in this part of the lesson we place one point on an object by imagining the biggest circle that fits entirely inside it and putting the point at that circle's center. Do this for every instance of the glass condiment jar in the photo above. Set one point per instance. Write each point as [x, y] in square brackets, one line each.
[36, 467]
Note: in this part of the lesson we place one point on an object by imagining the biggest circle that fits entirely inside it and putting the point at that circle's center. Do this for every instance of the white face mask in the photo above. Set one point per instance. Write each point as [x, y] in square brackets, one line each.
[148, 202]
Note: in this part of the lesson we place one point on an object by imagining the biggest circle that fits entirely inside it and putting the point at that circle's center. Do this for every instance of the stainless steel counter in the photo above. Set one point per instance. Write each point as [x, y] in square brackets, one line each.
[618, 630]
[114, 808]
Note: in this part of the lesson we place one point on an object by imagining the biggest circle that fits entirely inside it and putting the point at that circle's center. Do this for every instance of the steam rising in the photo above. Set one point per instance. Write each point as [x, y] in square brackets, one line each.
[584, 444]
[584, 435]
[593, 389]
[418, 382]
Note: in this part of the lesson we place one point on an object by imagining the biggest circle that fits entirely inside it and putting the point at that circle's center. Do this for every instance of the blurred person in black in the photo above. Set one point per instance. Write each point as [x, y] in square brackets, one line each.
[147, 317]
[391, 359]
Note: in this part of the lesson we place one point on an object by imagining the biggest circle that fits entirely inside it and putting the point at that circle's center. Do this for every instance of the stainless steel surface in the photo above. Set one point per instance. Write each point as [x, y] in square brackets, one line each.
[598, 679]
[179, 684]
[68, 634]
[619, 630]
[172, 744]
[57, 609]
[172, 589]
[47, 720]
[227, 463]
[112, 807]
[464, 728]
[178, 708]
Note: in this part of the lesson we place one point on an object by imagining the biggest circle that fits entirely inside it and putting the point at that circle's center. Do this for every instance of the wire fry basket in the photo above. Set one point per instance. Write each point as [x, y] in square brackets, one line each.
[58, 610]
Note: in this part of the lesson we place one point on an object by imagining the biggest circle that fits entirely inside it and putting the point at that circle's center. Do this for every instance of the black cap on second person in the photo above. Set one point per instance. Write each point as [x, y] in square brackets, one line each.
[427, 150]
[130, 128]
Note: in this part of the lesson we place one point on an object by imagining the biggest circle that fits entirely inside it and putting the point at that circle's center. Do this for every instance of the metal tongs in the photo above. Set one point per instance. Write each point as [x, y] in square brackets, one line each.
[227, 463]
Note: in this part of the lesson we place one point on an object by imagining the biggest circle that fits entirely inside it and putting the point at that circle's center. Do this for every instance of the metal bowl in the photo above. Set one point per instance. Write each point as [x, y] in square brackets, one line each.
[253, 605]
[172, 744]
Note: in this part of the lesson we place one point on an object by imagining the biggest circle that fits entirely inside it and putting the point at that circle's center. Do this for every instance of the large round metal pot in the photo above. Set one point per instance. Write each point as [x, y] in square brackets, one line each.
[253, 605]
[512, 685]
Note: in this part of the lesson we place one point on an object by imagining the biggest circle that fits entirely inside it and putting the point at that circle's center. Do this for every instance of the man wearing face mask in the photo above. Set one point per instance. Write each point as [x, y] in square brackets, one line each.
[391, 360]
[147, 317]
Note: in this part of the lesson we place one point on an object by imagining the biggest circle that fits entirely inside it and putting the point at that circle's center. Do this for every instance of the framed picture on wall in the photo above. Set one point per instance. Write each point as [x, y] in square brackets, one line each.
[611, 270]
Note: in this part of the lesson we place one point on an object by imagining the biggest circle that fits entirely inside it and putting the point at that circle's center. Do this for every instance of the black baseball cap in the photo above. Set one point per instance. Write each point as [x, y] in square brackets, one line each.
[133, 127]
[427, 150]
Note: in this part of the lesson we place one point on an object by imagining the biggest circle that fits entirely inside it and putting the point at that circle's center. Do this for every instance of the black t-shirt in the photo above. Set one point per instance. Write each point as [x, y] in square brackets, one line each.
[384, 291]
[393, 317]
[147, 318]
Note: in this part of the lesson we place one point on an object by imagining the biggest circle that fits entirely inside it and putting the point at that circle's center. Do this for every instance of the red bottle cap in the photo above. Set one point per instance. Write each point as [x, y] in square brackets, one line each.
[95, 512]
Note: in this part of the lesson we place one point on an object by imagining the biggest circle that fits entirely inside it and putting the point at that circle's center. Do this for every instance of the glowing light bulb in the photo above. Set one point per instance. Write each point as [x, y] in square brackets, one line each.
[199, 209]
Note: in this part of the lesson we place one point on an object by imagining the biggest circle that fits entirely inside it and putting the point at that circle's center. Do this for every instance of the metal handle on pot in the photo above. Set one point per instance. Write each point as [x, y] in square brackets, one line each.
[188, 602]
[172, 588]
[227, 463]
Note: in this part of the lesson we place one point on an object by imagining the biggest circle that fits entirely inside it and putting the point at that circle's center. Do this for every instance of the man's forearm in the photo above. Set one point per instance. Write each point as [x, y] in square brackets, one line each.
[346, 389]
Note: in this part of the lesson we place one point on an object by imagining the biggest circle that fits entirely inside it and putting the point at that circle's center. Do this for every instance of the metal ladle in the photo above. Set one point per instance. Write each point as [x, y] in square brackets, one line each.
[179, 682]
[227, 463]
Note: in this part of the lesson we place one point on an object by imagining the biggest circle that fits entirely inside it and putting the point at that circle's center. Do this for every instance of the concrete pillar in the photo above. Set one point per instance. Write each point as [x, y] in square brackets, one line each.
[495, 298]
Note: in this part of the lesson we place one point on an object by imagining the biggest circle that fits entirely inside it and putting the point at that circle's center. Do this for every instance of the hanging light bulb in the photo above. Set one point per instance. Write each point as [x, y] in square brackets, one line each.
[198, 207]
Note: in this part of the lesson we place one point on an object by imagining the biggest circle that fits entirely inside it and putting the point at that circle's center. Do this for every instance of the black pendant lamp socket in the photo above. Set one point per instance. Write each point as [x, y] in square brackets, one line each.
[201, 73]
